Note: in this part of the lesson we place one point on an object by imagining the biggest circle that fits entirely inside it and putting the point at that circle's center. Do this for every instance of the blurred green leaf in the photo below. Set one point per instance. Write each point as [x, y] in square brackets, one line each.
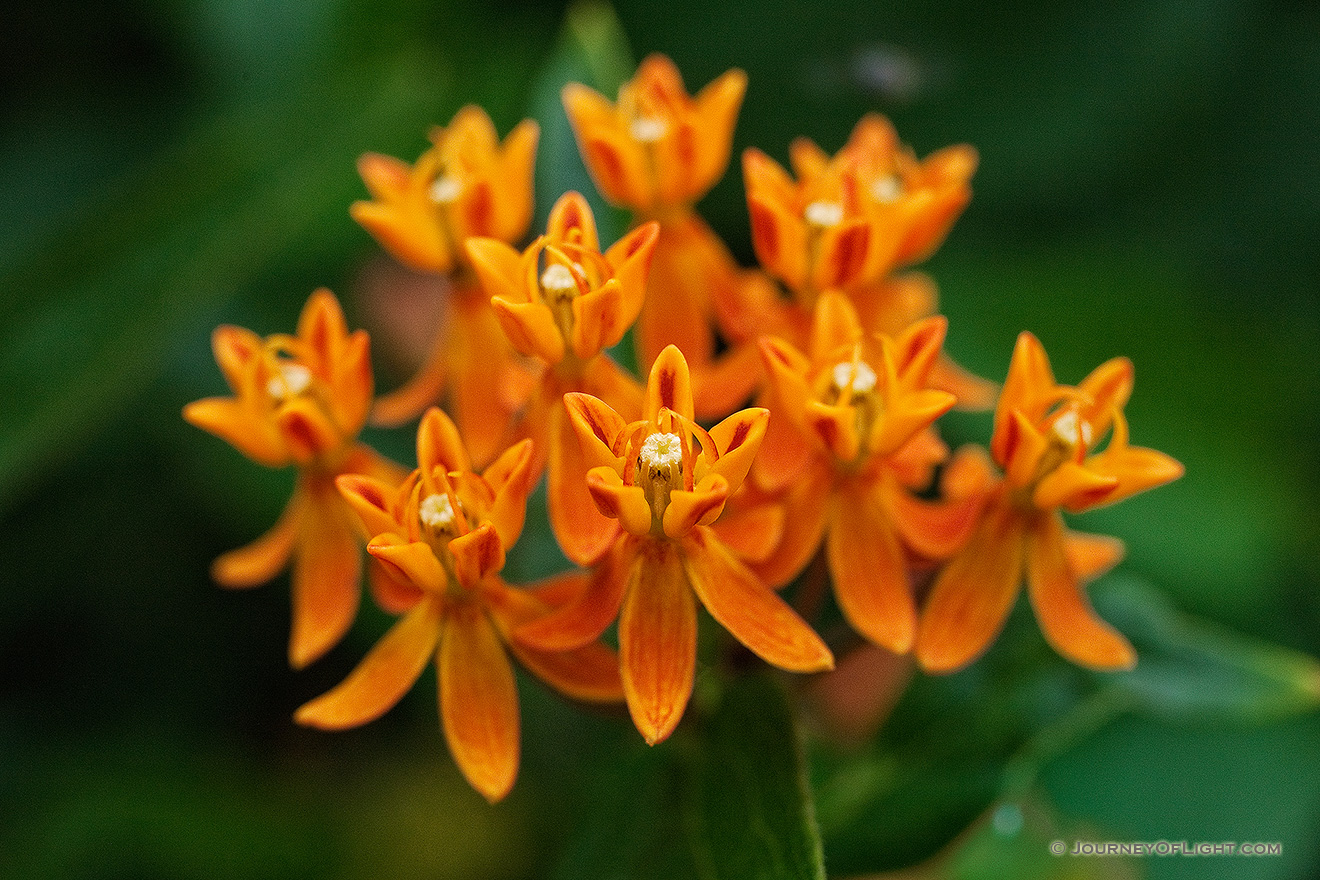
[1190, 669]
[727, 800]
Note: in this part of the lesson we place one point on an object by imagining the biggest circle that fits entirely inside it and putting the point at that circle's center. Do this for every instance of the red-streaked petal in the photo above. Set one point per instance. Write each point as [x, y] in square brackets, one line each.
[327, 569]
[807, 505]
[583, 532]
[413, 560]
[972, 596]
[1109, 387]
[439, 444]
[571, 212]
[234, 349]
[265, 557]
[321, 325]
[382, 678]
[583, 619]
[599, 319]
[870, 577]
[630, 258]
[511, 477]
[669, 385]
[477, 554]
[835, 428]
[1135, 468]
[842, 254]
[372, 500]
[627, 504]
[241, 426]
[738, 438]
[307, 431]
[1090, 556]
[1066, 617]
[478, 702]
[658, 640]
[779, 240]
[751, 611]
[1029, 387]
[597, 426]
[701, 505]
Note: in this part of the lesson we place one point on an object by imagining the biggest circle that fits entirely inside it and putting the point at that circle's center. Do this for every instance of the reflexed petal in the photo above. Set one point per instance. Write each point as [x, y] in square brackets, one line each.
[382, 678]
[371, 500]
[1066, 617]
[531, 328]
[752, 612]
[498, 268]
[392, 593]
[1090, 556]
[806, 505]
[306, 430]
[972, 596]
[477, 554]
[870, 577]
[438, 443]
[658, 640]
[326, 574]
[582, 620]
[413, 560]
[738, 438]
[478, 702]
[584, 533]
[627, 504]
[701, 505]
[933, 529]
[1073, 486]
[239, 425]
[669, 385]
[511, 477]
[752, 531]
[265, 557]
[597, 426]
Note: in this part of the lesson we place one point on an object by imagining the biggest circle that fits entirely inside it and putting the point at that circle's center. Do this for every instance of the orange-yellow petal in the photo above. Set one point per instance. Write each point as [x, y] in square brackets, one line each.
[627, 504]
[477, 554]
[583, 619]
[531, 329]
[807, 506]
[439, 445]
[392, 593]
[234, 349]
[752, 531]
[597, 426]
[1073, 486]
[751, 611]
[383, 676]
[326, 574]
[478, 702]
[1066, 617]
[241, 426]
[511, 477]
[413, 560]
[973, 594]
[738, 438]
[700, 505]
[371, 500]
[658, 640]
[307, 431]
[583, 532]
[1090, 556]
[499, 269]
[870, 577]
[669, 385]
[265, 557]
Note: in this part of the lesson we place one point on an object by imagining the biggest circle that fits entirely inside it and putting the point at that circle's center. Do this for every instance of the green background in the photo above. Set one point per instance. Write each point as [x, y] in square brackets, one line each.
[1149, 186]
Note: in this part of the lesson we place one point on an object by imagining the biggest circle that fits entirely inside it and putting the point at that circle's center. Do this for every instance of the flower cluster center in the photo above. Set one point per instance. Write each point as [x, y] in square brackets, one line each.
[887, 189]
[437, 512]
[823, 213]
[648, 129]
[446, 189]
[290, 380]
[856, 377]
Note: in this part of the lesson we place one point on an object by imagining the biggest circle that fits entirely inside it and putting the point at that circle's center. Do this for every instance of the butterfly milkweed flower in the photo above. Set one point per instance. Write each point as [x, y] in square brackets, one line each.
[563, 301]
[1047, 439]
[300, 400]
[666, 479]
[862, 400]
[442, 536]
[467, 184]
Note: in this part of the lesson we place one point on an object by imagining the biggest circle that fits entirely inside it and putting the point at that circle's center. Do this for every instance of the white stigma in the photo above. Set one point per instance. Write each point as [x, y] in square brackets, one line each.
[436, 512]
[856, 376]
[1072, 429]
[887, 189]
[662, 450]
[291, 381]
[823, 213]
[648, 129]
[446, 189]
[557, 278]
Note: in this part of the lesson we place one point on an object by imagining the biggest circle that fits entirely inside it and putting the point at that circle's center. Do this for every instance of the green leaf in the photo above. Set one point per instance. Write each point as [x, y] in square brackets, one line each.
[1191, 669]
[725, 799]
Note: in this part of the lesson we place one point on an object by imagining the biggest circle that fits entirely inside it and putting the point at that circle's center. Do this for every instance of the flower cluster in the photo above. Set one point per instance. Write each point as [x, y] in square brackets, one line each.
[670, 494]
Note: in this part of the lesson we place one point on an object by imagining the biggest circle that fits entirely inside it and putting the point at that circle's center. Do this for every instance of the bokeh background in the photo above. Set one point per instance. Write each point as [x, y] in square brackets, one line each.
[1149, 186]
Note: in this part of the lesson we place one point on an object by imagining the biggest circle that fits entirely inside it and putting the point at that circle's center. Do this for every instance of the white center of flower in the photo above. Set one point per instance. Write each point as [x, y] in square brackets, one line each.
[823, 213]
[446, 189]
[557, 278]
[291, 380]
[887, 189]
[662, 451]
[436, 512]
[1072, 429]
[648, 129]
[856, 376]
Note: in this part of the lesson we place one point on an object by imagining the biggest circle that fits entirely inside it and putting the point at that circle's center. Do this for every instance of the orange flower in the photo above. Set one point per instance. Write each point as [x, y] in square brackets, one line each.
[853, 218]
[442, 536]
[300, 400]
[657, 148]
[1044, 439]
[563, 302]
[666, 479]
[861, 401]
[466, 184]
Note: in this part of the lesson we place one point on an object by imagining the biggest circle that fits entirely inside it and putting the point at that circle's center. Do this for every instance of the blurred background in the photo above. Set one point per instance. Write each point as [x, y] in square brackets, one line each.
[1149, 186]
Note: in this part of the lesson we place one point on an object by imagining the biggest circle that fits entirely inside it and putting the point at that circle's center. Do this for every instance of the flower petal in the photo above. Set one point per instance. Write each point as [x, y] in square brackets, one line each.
[669, 385]
[972, 596]
[701, 505]
[870, 577]
[531, 328]
[583, 619]
[392, 593]
[807, 506]
[597, 426]
[658, 640]
[265, 557]
[511, 477]
[1073, 486]
[499, 269]
[382, 678]
[326, 574]
[753, 530]
[583, 532]
[234, 349]
[738, 438]
[477, 554]
[627, 504]
[371, 500]
[241, 426]
[414, 561]
[307, 431]
[752, 612]
[1066, 617]
[1090, 556]
[439, 444]
[478, 702]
